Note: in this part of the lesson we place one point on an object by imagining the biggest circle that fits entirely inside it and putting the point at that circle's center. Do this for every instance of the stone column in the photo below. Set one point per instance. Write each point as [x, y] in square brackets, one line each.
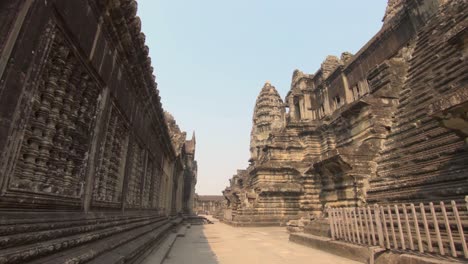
[307, 107]
[326, 101]
[100, 126]
[348, 92]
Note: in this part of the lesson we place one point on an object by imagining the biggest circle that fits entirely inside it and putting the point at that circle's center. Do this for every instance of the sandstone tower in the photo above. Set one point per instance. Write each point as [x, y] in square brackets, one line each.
[268, 117]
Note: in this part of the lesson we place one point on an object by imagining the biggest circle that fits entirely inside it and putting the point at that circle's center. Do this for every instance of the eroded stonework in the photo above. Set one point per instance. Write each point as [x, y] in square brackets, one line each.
[58, 131]
[268, 117]
[91, 170]
[387, 124]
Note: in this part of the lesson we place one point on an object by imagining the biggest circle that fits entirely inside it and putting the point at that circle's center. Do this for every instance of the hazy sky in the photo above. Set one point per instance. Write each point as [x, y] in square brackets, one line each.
[212, 57]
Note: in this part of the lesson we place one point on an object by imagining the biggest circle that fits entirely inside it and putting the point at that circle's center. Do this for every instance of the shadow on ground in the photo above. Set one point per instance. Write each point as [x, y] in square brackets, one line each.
[193, 248]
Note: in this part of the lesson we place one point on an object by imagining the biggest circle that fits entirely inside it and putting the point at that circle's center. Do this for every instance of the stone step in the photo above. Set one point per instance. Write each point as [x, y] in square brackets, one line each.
[444, 238]
[15, 217]
[137, 250]
[158, 255]
[24, 238]
[15, 224]
[181, 232]
[405, 192]
[109, 247]
[408, 181]
[41, 248]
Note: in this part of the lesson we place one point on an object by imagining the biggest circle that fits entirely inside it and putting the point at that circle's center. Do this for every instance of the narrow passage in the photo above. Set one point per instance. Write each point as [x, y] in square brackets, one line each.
[221, 243]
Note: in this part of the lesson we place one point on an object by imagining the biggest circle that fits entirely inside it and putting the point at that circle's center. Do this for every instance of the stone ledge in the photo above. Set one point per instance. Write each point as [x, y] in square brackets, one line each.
[253, 224]
[158, 255]
[365, 254]
[182, 230]
[395, 258]
[347, 250]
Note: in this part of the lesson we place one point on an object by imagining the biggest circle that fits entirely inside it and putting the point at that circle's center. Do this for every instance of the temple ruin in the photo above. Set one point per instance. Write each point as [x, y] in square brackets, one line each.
[91, 167]
[385, 125]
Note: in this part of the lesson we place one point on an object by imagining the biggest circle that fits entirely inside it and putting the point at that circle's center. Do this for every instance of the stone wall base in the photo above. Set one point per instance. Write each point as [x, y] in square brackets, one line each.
[253, 223]
[366, 254]
[112, 237]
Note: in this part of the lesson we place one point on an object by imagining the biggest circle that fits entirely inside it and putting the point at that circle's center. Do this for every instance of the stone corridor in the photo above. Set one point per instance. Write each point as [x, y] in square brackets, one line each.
[221, 243]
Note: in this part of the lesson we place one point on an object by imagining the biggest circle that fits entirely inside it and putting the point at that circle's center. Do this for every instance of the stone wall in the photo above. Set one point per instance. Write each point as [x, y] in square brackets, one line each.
[83, 136]
[422, 158]
[374, 127]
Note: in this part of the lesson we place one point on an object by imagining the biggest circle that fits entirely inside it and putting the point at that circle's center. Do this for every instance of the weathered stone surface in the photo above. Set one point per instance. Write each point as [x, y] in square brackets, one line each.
[268, 117]
[395, 258]
[385, 125]
[89, 163]
[365, 254]
[359, 253]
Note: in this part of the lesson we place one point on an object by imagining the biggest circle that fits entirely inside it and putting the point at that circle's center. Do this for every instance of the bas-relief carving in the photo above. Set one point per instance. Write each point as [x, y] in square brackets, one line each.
[157, 183]
[148, 184]
[135, 178]
[150, 191]
[52, 158]
[108, 182]
[71, 158]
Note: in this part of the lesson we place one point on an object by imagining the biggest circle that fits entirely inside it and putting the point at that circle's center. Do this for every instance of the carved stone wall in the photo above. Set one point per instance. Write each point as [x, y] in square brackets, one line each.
[52, 157]
[86, 157]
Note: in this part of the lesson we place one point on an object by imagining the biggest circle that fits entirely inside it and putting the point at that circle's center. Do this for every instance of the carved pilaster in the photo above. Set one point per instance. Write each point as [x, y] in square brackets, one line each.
[110, 173]
[135, 179]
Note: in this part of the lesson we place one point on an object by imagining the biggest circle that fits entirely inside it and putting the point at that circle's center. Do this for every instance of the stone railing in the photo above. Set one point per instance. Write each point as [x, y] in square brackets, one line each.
[427, 228]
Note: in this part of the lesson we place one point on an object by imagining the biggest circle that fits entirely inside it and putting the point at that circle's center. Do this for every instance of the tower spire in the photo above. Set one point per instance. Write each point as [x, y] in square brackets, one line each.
[268, 116]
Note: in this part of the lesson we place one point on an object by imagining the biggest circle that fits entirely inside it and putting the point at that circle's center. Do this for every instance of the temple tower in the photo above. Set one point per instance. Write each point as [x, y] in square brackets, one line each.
[393, 7]
[269, 116]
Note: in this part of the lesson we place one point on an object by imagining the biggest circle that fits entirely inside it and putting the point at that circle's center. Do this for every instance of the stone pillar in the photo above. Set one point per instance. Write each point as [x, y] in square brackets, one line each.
[12, 15]
[302, 113]
[170, 189]
[307, 107]
[326, 101]
[348, 92]
[292, 108]
[98, 130]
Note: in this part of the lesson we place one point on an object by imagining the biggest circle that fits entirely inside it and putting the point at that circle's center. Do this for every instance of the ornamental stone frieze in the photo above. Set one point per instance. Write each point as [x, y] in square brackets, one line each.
[87, 158]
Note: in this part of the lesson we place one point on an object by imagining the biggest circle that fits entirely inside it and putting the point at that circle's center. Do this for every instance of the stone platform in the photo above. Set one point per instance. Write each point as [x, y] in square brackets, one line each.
[364, 254]
[81, 238]
[224, 244]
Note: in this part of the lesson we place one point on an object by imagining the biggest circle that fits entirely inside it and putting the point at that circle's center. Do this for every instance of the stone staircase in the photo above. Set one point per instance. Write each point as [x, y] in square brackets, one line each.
[421, 159]
[79, 238]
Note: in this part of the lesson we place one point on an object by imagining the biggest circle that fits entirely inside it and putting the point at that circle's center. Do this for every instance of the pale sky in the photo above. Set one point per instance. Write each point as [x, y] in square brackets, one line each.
[212, 57]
